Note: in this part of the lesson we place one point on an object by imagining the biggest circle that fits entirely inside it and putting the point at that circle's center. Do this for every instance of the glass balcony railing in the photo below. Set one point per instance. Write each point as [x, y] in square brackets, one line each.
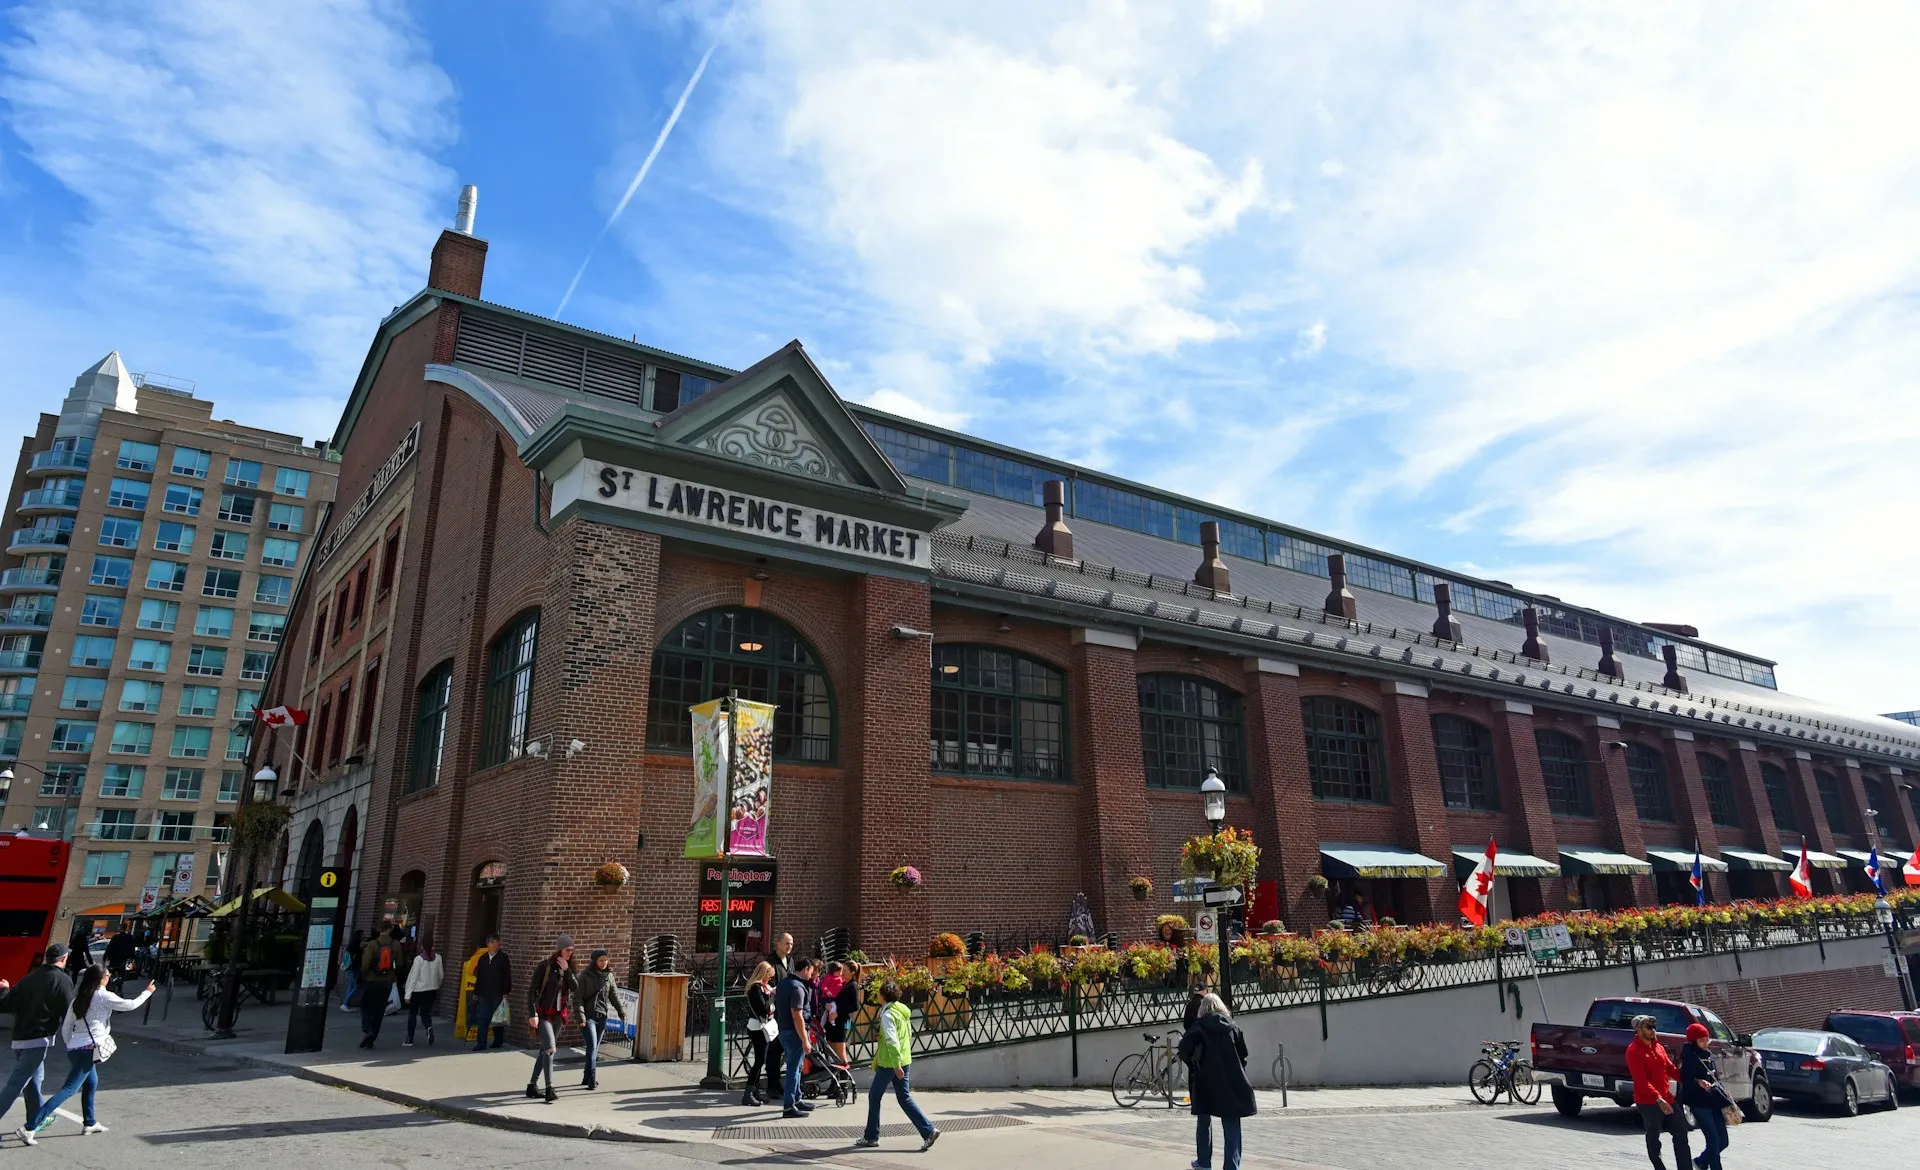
[32, 538]
[46, 499]
[61, 461]
[15, 704]
[30, 579]
[19, 660]
[38, 619]
[9, 749]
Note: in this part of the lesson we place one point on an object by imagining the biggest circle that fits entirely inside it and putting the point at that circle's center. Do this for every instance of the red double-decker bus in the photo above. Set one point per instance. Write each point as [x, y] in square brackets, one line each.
[32, 872]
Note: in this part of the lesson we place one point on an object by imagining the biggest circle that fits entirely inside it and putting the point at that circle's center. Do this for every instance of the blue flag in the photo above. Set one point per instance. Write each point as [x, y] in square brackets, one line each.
[1873, 869]
[1698, 878]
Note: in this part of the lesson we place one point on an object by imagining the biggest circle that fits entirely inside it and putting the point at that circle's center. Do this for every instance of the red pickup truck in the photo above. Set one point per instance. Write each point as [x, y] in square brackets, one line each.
[1578, 1061]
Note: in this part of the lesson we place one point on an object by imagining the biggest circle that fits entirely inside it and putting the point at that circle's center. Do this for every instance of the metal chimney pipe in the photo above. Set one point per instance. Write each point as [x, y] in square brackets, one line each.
[469, 200]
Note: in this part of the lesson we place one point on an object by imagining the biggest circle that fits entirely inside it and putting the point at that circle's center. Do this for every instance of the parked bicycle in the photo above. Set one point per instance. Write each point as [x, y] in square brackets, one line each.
[1157, 1072]
[1394, 975]
[1501, 1069]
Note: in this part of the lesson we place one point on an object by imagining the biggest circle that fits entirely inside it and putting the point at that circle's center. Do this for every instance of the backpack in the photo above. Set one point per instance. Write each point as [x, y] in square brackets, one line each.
[384, 963]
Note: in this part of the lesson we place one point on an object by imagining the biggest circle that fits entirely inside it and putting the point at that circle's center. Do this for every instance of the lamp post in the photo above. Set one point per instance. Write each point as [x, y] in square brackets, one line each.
[262, 790]
[1883, 913]
[1213, 806]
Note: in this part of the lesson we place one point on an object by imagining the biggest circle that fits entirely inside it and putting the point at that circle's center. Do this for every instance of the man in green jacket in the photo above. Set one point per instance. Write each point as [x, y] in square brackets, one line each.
[890, 1062]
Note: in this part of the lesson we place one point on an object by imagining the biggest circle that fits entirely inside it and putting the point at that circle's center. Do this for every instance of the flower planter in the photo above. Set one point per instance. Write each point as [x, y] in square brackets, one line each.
[948, 1013]
[1140, 895]
[940, 966]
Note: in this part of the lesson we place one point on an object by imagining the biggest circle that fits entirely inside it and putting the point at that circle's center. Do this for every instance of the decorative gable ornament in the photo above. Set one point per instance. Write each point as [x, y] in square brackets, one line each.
[773, 435]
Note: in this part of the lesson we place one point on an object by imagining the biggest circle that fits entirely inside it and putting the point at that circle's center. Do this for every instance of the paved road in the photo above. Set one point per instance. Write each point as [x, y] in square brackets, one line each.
[212, 1114]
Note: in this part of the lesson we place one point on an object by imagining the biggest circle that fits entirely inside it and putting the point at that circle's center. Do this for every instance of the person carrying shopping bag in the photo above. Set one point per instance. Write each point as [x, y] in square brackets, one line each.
[760, 1034]
[1700, 1091]
[891, 1060]
[87, 1035]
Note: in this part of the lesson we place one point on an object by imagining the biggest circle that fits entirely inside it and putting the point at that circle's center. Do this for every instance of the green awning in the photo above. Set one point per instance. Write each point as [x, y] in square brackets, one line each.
[1670, 860]
[1504, 864]
[1745, 859]
[1856, 858]
[1815, 858]
[1377, 861]
[1582, 861]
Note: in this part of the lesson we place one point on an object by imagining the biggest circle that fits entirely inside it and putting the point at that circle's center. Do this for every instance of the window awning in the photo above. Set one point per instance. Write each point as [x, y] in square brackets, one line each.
[108, 911]
[1745, 859]
[1669, 860]
[274, 894]
[1377, 861]
[1815, 858]
[1504, 864]
[1583, 861]
[1856, 858]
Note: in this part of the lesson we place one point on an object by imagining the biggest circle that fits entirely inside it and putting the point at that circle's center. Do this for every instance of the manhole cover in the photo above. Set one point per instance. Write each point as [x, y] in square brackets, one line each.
[800, 1132]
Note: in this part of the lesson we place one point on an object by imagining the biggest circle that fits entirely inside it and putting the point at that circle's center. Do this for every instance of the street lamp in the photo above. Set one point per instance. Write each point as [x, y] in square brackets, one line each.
[1213, 806]
[1213, 798]
[262, 791]
[72, 800]
[1883, 913]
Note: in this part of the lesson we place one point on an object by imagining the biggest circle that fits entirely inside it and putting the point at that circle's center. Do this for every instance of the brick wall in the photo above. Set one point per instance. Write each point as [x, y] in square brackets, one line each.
[1792, 1001]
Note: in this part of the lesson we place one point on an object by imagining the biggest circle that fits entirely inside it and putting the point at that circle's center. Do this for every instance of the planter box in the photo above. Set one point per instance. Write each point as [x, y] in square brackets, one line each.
[940, 966]
[948, 1013]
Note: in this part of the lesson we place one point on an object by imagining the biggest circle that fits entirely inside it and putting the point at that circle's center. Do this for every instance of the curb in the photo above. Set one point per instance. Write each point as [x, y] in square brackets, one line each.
[466, 1113]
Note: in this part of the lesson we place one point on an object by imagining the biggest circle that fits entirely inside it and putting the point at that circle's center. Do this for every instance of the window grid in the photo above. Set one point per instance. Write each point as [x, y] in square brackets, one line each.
[1563, 764]
[1779, 798]
[1836, 808]
[509, 693]
[755, 653]
[430, 728]
[1345, 756]
[182, 499]
[1467, 774]
[996, 713]
[1188, 725]
[1647, 772]
[1717, 779]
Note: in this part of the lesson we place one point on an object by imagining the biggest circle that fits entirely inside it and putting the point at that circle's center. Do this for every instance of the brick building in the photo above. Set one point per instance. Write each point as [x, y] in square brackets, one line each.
[1008, 671]
[146, 592]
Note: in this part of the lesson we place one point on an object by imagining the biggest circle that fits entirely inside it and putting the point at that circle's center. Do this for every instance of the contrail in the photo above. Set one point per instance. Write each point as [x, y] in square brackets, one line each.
[645, 166]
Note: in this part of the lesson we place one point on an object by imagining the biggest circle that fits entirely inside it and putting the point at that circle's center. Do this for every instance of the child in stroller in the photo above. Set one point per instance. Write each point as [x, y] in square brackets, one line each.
[823, 1075]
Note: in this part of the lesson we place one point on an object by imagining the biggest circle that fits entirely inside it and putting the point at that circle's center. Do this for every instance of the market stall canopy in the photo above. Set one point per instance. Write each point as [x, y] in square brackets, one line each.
[1670, 860]
[1504, 864]
[1815, 858]
[1377, 861]
[1746, 859]
[274, 894]
[1585, 861]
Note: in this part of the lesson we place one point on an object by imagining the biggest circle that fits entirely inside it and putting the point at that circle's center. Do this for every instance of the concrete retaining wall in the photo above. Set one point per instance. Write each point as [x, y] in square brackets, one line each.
[1431, 1037]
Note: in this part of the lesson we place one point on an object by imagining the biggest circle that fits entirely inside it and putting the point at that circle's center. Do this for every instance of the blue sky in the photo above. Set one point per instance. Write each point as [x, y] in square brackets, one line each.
[1615, 303]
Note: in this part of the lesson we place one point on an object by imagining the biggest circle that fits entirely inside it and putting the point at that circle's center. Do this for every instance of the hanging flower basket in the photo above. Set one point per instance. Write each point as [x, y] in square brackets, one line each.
[1142, 888]
[612, 875]
[1230, 857]
[905, 877]
[256, 828]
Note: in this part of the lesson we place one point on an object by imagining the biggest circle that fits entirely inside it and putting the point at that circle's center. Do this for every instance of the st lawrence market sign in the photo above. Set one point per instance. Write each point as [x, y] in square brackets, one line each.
[403, 454]
[747, 513]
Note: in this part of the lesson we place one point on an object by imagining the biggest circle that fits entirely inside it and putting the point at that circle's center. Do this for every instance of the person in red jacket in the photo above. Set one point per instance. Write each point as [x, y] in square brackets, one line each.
[1654, 1074]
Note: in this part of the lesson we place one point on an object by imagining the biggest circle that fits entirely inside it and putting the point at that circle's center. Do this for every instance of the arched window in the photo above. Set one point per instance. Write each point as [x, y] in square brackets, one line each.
[1188, 725]
[996, 713]
[1779, 798]
[1647, 772]
[306, 874]
[430, 705]
[1345, 757]
[503, 728]
[1829, 786]
[755, 653]
[1465, 752]
[1717, 778]
[1882, 815]
[1563, 765]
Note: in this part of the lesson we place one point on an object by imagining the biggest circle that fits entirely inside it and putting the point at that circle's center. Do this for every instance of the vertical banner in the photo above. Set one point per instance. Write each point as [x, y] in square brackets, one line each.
[752, 781]
[709, 778]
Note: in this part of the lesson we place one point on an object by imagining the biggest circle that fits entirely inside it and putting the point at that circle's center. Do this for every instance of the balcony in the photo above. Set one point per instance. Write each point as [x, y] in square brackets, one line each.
[15, 704]
[25, 580]
[26, 540]
[9, 749]
[41, 500]
[25, 621]
[19, 661]
[48, 462]
[172, 834]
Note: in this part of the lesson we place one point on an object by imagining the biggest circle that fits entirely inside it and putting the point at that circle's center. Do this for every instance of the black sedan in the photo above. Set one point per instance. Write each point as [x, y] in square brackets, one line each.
[1826, 1068]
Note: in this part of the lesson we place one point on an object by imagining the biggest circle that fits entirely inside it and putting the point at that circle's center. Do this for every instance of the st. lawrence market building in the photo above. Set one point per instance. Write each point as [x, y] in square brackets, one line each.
[1009, 672]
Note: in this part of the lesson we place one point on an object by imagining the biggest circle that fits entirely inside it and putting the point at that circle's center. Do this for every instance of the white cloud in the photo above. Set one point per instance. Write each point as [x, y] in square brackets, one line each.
[1310, 340]
[233, 158]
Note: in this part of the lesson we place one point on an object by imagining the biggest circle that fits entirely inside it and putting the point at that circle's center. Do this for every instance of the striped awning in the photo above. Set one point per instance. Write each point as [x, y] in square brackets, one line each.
[1747, 859]
[1856, 858]
[1504, 864]
[1670, 860]
[1377, 861]
[1815, 858]
[1601, 861]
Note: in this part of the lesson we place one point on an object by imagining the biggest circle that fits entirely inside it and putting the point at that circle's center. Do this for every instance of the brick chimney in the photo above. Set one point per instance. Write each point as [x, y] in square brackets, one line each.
[1533, 647]
[1675, 681]
[1340, 601]
[459, 257]
[1446, 627]
[1055, 538]
[1609, 665]
[1212, 571]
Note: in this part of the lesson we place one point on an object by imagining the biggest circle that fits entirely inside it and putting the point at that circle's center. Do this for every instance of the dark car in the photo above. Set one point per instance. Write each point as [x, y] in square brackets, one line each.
[1825, 1068]
[1894, 1037]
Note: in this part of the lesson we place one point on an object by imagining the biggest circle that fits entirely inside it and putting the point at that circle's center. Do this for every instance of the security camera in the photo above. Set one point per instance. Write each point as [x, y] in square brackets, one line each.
[905, 633]
[1618, 745]
[575, 747]
[536, 749]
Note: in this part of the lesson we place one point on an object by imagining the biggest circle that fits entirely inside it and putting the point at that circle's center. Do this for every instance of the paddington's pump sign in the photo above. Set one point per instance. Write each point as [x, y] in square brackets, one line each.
[748, 513]
[721, 769]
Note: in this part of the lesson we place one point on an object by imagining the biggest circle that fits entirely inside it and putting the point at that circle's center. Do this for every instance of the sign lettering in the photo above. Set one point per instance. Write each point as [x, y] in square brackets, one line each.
[363, 503]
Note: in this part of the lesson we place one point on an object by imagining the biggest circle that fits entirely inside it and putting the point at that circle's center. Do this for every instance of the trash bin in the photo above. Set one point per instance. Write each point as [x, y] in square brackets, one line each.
[662, 1018]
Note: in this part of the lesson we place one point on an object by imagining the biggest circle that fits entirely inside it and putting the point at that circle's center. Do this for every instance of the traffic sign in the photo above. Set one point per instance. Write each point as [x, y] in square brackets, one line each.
[1516, 937]
[1230, 896]
[1206, 927]
[1543, 944]
[1190, 889]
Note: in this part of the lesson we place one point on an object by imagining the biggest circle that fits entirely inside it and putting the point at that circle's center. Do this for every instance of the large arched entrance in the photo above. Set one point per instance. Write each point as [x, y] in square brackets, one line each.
[306, 873]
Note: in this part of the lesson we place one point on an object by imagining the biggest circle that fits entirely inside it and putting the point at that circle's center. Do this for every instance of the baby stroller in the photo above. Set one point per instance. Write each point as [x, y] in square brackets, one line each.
[823, 1075]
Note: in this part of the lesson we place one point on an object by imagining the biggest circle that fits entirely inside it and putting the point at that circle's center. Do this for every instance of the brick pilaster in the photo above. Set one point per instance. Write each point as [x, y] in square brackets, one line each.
[1285, 824]
[1420, 811]
[1524, 793]
[1756, 811]
[1115, 835]
[1613, 799]
[1894, 782]
[890, 796]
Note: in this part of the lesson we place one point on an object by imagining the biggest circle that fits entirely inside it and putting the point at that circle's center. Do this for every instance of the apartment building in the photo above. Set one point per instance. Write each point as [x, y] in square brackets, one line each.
[144, 595]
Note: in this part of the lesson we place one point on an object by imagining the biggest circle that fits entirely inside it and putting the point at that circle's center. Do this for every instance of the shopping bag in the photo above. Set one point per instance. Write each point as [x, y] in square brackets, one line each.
[393, 1001]
[500, 1014]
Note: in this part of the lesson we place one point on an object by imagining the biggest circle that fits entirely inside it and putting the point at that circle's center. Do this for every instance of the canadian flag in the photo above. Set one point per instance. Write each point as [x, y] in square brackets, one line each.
[1479, 888]
[1802, 876]
[1911, 870]
[283, 717]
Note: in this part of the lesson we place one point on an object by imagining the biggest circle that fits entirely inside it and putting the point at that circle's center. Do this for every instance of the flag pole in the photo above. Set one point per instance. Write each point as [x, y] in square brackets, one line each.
[716, 1077]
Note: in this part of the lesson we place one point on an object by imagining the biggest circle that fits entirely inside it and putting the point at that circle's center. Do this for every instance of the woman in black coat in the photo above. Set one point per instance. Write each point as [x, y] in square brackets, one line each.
[1700, 1092]
[1216, 1057]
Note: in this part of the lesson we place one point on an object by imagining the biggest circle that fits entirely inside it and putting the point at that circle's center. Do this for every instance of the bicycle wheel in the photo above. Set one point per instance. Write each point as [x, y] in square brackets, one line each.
[1410, 976]
[1484, 1080]
[1524, 1089]
[210, 1011]
[1176, 1083]
[1132, 1081]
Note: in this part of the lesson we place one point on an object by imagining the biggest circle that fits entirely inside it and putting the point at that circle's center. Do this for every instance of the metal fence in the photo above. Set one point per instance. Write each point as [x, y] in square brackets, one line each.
[985, 1018]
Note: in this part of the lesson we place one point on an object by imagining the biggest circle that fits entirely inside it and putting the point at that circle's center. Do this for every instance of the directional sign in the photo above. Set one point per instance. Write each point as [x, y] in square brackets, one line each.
[1231, 896]
[1543, 944]
[1190, 889]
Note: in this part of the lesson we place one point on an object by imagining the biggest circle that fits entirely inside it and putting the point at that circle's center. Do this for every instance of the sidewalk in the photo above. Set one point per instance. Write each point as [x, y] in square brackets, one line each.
[640, 1102]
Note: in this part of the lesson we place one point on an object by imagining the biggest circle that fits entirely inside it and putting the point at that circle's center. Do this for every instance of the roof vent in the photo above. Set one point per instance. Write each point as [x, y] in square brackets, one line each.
[469, 202]
[1055, 538]
[1212, 571]
[1609, 665]
[1675, 681]
[1533, 647]
[1340, 602]
[1446, 627]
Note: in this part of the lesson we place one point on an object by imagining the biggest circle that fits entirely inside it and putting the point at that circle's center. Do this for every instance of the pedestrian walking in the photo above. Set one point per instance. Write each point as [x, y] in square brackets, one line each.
[350, 967]
[597, 1000]
[792, 1006]
[379, 967]
[422, 990]
[1215, 1053]
[492, 986]
[550, 995]
[1653, 1075]
[38, 1003]
[780, 958]
[760, 1035]
[891, 1059]
[86, 1032]
[845, 1004]
[1701, 1092]
[122, 949]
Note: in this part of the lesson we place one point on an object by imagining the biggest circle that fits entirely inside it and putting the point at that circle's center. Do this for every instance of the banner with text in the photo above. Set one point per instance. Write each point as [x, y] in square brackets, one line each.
[744, 769]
